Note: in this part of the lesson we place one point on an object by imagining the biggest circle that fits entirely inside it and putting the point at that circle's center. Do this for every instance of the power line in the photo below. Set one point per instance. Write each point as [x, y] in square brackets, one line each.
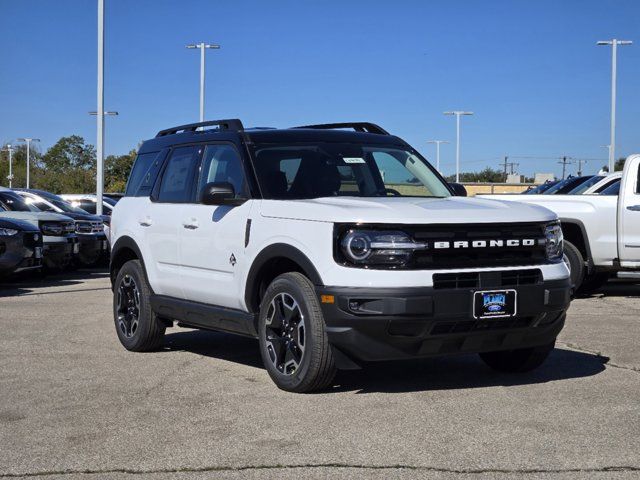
[565, 161]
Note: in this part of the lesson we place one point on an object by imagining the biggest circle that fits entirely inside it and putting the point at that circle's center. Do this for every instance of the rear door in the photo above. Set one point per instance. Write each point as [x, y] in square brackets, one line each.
[162, 219]
[212, 240]
[629, 214]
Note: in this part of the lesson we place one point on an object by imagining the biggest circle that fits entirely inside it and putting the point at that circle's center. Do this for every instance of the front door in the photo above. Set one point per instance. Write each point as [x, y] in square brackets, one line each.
[212, 237]
[629, 214]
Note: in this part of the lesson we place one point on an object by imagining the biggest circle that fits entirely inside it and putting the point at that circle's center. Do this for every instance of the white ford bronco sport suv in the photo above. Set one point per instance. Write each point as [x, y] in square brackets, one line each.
[333, 245]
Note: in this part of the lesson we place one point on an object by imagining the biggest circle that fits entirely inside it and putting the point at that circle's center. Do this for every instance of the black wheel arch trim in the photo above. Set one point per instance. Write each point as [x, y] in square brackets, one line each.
[274, 251]
[585, 238]
[125, 242]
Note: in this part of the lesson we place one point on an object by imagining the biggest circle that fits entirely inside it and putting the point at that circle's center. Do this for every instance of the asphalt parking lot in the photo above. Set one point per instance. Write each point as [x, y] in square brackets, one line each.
[75, 404]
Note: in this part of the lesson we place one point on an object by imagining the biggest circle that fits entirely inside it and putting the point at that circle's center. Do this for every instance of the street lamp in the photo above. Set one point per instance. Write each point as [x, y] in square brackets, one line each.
[10, 176]
[614, 54]
[28, 142]
[437, 143]
[202, 46]
[458, 114]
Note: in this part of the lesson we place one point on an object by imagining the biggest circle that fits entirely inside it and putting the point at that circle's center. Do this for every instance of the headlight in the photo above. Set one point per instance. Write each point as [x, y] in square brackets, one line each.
[554, 240]
[7, 232]
[369, 247]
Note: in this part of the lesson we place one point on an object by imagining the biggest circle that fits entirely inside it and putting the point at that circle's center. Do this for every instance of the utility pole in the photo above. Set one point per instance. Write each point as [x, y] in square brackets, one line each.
[437, 143]
[202, 46]
[564, 161]
[10, 176]
[614, 54]
[458, 114]
[580, 163]
[28, 142]
[100, 112]
[505, 167]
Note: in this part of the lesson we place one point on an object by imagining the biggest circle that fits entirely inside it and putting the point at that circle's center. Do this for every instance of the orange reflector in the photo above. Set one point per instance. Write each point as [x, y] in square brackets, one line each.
[327, 299]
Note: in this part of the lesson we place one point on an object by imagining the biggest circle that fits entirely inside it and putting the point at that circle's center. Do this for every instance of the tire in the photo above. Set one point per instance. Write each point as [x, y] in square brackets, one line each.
[593, 282]
[293, 342]
[138, 328]
[575, 261]
[519, 360]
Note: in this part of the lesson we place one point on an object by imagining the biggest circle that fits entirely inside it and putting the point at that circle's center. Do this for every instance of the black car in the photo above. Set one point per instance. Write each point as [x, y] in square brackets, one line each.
[565, 186]
[90, 228]
[60, 242]
[20, 246]
[541, 188]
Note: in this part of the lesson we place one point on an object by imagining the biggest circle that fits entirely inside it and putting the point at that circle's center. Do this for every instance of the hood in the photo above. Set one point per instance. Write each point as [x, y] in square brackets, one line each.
[17, 225]
[35, 217]
[405, 210]
[83, 216]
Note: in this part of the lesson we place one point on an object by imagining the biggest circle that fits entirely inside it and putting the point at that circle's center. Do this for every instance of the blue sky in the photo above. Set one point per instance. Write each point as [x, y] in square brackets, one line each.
[530, 70]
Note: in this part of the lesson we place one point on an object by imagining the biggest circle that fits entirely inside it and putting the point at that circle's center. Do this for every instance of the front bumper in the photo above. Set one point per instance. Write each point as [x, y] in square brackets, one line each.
[20, 252]
[92, 246]
[58, 252]
[369, 324]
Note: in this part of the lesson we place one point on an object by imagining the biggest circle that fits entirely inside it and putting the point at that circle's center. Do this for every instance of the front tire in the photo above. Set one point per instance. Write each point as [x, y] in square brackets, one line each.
[138, 328]
[294, 346]
[518, 361]
[575, 261]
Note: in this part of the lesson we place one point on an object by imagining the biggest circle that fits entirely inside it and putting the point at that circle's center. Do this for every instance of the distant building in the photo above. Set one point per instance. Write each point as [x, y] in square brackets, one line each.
[541, 178]
[514, 178]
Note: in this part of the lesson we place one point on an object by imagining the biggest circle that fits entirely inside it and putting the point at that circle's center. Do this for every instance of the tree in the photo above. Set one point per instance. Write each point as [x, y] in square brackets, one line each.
[619, 165]
[488, 175]
[116, 171]
[68, 167]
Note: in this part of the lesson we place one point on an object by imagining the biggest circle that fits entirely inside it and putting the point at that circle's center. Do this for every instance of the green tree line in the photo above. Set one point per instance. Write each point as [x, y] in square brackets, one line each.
[69, 166]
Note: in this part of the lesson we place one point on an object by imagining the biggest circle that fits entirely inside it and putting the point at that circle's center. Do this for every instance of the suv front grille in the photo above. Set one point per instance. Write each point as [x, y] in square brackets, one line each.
[480, 257]
[88, 227]
[495, 279]
[57, 229]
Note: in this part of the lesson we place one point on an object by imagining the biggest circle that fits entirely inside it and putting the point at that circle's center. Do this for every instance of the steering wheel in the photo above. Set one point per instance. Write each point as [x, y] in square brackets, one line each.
[393, 192]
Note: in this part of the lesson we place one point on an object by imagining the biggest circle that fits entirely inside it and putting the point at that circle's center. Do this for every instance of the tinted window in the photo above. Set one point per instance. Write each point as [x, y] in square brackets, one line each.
[143, 174]
[177, 178]
[222, 163]
[613, 189]
[15, 203]
[584, 186]
[333, 169]
[44, 207]
[638, 181]
[88, 206]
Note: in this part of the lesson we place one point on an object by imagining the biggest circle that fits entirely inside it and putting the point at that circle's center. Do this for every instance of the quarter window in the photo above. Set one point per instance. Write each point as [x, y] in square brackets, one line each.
[176, 184]
[222, 163]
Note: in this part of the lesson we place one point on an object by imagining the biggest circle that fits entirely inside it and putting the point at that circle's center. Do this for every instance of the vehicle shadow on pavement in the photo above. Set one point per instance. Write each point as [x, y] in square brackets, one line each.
[464, 371]
[444, 373]
[30, 283]
[616, 288]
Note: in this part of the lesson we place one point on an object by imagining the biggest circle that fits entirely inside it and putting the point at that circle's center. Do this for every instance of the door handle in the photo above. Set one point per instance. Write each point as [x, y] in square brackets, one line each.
[634, 208]
[191, 224]
[145, 222]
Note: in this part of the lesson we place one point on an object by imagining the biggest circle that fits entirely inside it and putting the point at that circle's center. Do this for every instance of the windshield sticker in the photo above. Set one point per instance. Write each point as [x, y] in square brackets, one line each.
[353, 160]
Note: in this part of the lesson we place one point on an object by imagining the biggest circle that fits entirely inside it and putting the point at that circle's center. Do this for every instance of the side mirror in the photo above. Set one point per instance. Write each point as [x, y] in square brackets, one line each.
[458, 189]
[219, 193]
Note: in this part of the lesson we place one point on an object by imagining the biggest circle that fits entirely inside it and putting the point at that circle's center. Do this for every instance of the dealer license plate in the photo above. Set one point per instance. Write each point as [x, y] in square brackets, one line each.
[494, 304]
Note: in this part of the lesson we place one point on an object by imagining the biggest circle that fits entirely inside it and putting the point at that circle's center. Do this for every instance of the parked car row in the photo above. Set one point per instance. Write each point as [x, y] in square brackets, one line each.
[40, 230]
[583, 185]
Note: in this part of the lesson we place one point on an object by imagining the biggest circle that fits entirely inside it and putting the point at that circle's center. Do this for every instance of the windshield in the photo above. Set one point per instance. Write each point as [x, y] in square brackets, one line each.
[540, 188]
[15, 203]
[564, 186]
[613, 189]
[584, 186]
[303, 171]
[66, 206]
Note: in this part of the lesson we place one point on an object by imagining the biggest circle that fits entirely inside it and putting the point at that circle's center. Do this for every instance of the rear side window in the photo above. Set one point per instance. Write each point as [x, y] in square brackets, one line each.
[176, 185]
[143, 174]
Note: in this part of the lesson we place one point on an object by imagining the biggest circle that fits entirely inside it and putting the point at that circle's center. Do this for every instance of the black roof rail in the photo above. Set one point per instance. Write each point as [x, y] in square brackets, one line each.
[231, 124]
[357, 126]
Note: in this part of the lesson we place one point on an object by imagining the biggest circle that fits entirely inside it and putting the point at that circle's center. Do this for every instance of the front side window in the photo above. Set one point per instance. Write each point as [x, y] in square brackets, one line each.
[176, 184]
[222, 163]
[332, 169]
[15, 203]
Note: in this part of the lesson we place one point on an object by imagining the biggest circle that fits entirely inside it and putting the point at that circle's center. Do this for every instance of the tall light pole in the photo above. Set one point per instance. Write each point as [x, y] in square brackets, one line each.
[28, 142]
[202, 46]
[458, 114]
[614, 54]
[608, 147]
[437, 143]
[100, 111]
[10, 176]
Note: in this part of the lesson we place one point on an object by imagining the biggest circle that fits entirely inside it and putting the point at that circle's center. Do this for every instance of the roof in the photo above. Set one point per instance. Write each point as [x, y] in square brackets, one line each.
[270, 135]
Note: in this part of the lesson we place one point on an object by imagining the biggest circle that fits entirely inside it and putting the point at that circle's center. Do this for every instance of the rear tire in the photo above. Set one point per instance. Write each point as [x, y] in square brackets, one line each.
[575, 261]
[293, 342]
[138, 328]
[519, 360]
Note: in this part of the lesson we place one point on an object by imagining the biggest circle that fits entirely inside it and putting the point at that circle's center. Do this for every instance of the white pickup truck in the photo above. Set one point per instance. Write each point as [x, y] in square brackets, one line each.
[601, 232]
